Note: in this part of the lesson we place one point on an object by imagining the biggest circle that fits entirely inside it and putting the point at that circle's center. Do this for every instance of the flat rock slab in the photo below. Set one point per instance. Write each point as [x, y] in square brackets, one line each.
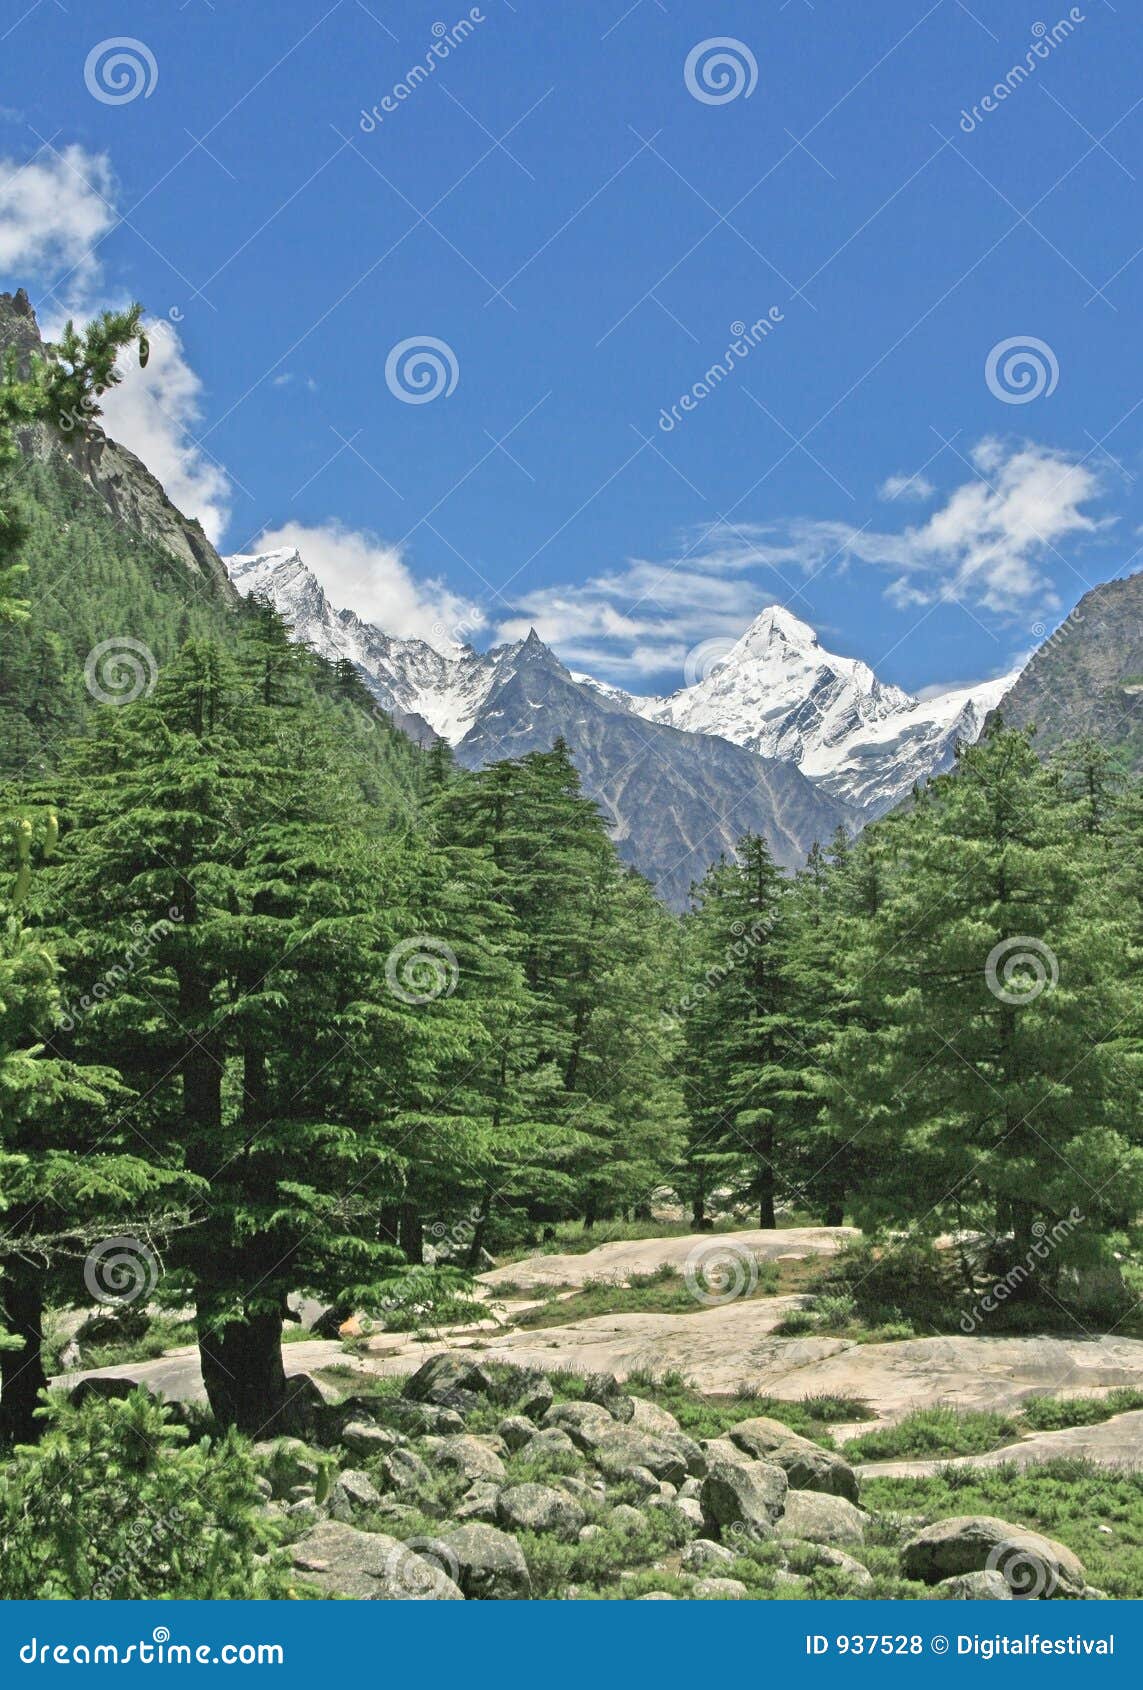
[177, 1376]
[619, 1260]
[1117, 1442]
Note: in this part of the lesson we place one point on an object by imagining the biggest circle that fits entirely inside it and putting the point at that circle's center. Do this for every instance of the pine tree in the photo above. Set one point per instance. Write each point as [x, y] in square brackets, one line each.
[275, 1064]
[742, 1066]
[991, 1074]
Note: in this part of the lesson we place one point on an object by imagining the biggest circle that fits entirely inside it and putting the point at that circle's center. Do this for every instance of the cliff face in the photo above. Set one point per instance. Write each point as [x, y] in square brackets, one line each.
[123, 482]
[1087, 677]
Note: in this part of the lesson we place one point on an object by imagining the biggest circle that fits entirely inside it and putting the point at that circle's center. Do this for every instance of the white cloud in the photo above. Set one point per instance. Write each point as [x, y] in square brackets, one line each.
[917, 487]
[154, 413]
[992, 544]
[53, 210]
[361, 572]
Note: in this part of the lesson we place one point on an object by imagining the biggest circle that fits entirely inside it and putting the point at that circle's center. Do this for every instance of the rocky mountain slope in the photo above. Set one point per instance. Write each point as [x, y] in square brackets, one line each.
[1087, 677]
[133, 496]
[674, 798]
[778, 692]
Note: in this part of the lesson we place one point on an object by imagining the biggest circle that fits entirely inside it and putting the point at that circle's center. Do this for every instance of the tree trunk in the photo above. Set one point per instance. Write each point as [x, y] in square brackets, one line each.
[476, 1242]
[242, 1371]
[412, 1234]
[834, 1215]
[22, 1376]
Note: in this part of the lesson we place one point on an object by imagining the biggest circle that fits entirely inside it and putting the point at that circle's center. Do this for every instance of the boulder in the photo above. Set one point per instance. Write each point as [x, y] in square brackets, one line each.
[721, 1449]
[816, 1517]
[370, 1566]
[743, 1500]
[405, 1471]
[548, 1444]
[516, 1431]
[421, 1418]
[806, 1465]
[362, 1437]
[625, 1518]
[490, 1564]
[703, 1553]
[539, 1508]
[469, 1456]
[623, 1448]
[578, 1419]
[107, 1390]
[691, 1510]
[974, 1587]
[479, 1503]
[649, 1417]
[720, 1590]
[353, 1492]
[524, 1390]
[442, 1376]
[825, 1555]
[1032, 1566]
[604, 1388]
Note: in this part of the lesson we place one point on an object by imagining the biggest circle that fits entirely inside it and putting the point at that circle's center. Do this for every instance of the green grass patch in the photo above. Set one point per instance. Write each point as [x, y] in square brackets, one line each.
[662, 1291]
[928, 1432]
[1069, 1500]
[1053, 1414]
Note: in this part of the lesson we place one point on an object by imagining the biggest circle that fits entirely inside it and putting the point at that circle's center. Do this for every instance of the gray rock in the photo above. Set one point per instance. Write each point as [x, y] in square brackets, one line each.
[656, 1596]
[540, 1508]
[806, 1465]
[704, 1552]
[743, 1500]
[442, 1376]
[691, 1488]
[816, 1517]
[586, 1533]
[352, 1493]
[641, 1477]
[825, 1555]
[720, 1590]
[649, 1417]
[547, 1444]
[691, 1510]
[405, 1471]
[370, 1566]
[419, 1419]
[1032, 1565]
[361, 1437]
[974, 1587]
[490, 1564]
[479, 1503]
[578, 1418]
[469, 1456]
[623, 1447]
[516, 1431]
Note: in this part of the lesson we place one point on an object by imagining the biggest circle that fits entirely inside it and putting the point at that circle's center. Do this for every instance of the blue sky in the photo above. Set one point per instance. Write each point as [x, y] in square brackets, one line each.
[557, 206]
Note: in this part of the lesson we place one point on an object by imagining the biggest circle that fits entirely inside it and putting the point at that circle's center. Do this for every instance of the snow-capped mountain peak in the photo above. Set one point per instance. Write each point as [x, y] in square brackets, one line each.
[775, 691]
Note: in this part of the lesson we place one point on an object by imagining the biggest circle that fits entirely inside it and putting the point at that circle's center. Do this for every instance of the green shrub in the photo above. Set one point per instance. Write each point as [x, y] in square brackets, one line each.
[934, 1432]
[116, 1504]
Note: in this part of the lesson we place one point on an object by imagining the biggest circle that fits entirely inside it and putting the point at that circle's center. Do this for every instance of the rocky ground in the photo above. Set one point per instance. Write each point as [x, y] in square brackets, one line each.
[492, 1482]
